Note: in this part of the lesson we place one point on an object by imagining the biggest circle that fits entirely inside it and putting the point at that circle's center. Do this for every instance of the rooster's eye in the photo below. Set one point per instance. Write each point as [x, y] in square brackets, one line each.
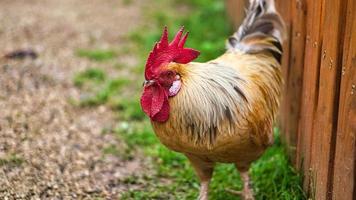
[170, 74]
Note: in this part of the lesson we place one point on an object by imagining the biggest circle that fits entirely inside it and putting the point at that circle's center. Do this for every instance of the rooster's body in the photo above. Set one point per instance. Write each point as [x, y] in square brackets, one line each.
[222, 110]
[231, 120]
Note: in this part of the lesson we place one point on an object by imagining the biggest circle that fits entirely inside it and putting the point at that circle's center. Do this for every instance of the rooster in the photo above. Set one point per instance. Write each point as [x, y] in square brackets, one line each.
[222, 110]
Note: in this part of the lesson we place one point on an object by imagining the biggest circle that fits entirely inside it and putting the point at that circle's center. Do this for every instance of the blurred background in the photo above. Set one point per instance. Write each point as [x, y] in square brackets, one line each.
[71, 126]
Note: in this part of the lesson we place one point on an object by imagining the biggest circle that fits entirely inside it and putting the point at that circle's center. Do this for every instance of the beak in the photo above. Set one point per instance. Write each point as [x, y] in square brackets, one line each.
[148, 82]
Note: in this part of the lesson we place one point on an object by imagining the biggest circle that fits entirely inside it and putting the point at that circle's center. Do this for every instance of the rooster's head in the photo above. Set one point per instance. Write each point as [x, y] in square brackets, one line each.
[160, 81]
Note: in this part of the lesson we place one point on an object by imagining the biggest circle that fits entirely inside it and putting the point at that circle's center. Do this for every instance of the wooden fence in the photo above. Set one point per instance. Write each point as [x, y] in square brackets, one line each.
[318, 114]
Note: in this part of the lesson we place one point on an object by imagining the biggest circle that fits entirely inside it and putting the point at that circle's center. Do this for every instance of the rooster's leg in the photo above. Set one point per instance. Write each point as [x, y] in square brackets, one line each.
[204, 170]
[247, 192]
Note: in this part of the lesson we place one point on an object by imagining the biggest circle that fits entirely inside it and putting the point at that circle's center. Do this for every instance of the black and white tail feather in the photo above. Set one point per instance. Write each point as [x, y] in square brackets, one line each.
[262, 30]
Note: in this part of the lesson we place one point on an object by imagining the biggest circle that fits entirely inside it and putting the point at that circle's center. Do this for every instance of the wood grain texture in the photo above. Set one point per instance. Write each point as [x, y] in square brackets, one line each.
[323, 144]
[310, 88]
[345, 156]
[294, 76]
[284, 8]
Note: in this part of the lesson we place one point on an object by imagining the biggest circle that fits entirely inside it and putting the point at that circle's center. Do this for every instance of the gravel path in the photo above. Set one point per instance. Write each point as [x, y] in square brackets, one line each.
[50, 149]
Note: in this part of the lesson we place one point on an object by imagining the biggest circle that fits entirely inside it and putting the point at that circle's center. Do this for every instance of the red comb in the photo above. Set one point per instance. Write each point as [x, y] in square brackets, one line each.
[165, 52]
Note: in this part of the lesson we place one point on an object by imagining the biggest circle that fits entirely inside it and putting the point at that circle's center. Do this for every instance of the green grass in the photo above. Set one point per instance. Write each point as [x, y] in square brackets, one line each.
[208, 36]
[95, 75]
[101, 89]
[273, 175]
[11, 161]
[111, 150]
[172, 177]
[127, 2]
[97, 54]
[130, 108]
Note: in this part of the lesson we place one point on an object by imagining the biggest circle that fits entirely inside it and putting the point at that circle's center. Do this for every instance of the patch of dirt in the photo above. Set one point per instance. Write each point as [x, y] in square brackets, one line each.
[59, 143]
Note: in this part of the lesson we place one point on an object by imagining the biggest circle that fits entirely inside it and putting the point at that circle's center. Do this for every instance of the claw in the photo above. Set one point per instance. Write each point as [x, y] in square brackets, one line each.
[234, 192]
[245, 194]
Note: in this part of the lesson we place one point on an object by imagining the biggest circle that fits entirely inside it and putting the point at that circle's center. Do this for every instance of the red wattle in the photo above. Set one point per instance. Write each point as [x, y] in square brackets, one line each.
[154, 102]
[163, 114]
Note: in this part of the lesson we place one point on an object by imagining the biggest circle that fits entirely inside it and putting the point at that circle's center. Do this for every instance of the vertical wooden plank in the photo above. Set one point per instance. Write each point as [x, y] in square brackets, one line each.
[345, 156]
[323, 145]
[236, 11]
[315, 10]
[284, 8]
[294, 75]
